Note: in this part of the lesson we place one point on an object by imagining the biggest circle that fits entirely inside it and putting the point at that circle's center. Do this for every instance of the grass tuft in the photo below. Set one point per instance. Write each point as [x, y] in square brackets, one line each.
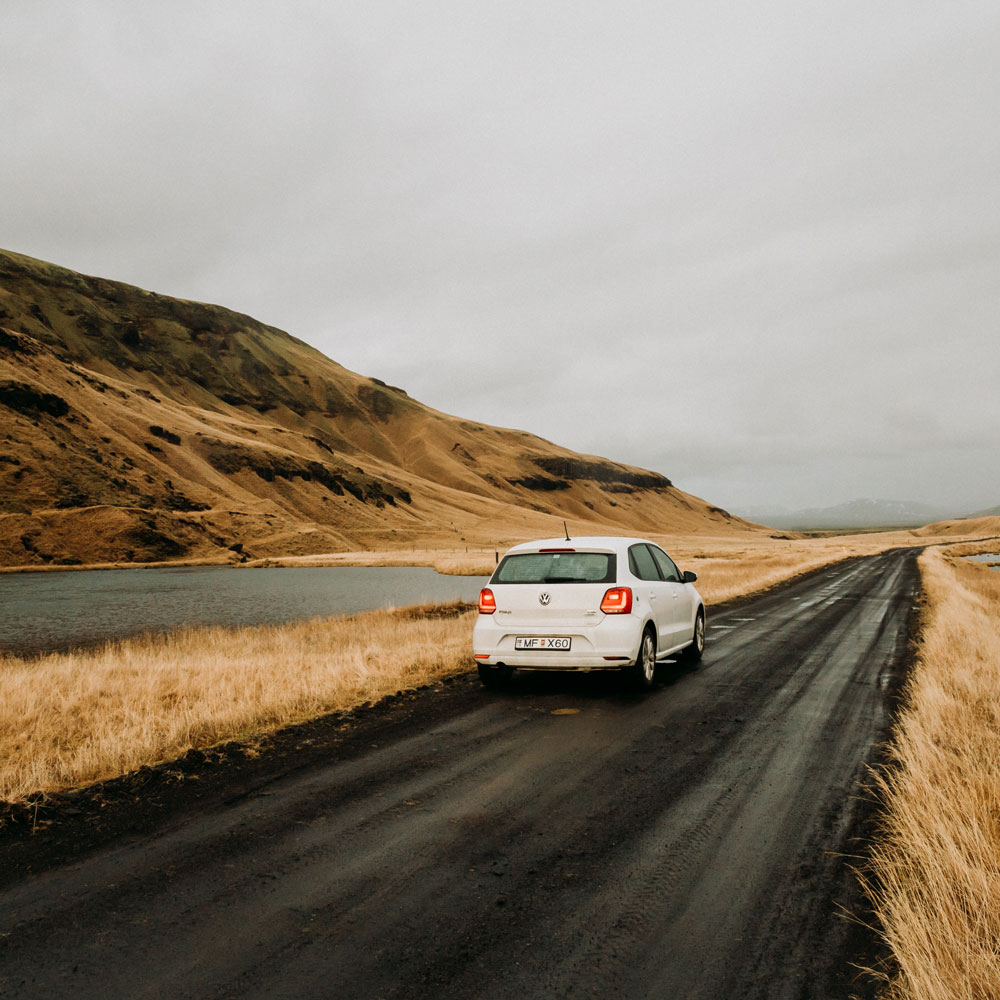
[934, 878]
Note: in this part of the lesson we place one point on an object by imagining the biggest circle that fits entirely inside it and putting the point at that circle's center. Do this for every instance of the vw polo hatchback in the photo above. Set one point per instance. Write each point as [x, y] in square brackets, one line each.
[602, 603]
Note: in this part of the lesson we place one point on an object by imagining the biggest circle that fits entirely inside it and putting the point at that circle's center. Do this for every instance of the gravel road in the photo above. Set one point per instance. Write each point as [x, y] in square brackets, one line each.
[561, 839]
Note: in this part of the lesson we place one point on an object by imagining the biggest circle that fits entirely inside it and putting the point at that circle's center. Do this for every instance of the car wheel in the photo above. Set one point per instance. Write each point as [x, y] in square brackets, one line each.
[641, 673]
[494, 677]
[692, 653]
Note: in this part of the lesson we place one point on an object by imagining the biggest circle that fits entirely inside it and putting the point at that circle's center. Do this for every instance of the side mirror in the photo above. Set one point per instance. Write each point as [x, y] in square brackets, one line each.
[689, 577]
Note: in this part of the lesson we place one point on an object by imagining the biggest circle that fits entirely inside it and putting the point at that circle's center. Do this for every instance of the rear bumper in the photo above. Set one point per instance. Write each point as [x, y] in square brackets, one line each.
[610, 645]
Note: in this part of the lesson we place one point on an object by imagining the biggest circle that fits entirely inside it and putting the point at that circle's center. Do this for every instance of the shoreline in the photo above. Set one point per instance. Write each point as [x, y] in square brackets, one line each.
[432, 558]
[482, 561]
[83, 567]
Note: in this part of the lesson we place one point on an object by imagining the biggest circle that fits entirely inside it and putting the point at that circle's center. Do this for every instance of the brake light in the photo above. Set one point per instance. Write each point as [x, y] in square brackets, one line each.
[557, 550]
[617, 601]
[487, 602]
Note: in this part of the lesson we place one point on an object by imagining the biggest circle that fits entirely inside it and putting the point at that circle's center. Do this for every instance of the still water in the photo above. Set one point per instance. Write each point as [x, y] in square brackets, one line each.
[986, 557]
[44, 612]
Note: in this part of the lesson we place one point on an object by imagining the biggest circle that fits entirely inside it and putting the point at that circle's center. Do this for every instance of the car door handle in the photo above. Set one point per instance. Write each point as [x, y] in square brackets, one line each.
[652, 597]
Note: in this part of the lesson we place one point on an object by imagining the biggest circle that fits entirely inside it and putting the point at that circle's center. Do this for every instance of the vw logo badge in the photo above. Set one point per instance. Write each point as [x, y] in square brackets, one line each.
[544, 597]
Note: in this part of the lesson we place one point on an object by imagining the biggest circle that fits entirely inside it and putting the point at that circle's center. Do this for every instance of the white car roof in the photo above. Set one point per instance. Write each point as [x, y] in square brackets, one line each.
[598, 543]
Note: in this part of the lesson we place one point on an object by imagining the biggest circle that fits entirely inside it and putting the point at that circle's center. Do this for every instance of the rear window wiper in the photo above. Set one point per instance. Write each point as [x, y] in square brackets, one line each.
[565, 579]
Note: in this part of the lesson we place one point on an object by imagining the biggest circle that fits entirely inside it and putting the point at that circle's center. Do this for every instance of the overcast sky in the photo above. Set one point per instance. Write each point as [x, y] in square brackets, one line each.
[752, 246]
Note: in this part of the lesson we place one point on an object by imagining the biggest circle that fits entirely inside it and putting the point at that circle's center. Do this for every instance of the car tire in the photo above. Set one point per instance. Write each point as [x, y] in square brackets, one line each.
[641, 673]
[494, 678]
[692, 654]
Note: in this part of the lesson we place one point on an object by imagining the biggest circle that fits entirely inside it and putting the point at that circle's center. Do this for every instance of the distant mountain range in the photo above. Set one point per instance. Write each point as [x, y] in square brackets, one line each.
[989, 512]
[860, 513]
[138, 427]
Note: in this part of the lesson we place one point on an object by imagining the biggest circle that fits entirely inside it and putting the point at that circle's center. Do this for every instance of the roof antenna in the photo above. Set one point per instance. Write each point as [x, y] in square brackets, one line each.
[567, 531]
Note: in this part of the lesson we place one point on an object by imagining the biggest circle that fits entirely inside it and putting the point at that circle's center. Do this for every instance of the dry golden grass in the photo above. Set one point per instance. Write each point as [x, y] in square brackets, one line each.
[976, 548]
[733, 568]
[71, 719]
[973, 527]
[935, 880]
[453, 562]
[727, 567]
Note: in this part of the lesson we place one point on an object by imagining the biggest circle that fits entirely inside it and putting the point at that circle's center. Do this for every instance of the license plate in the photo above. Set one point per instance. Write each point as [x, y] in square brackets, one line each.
[547, 642]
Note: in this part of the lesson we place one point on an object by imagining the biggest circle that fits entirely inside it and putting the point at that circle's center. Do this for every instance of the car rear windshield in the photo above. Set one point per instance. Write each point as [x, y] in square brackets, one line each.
[556, 567]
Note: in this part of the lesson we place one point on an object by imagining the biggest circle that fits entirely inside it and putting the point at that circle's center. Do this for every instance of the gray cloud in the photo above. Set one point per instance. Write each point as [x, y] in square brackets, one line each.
[753, 248]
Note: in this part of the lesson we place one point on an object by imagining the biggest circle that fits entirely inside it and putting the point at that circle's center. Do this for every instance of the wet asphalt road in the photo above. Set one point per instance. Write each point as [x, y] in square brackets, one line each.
[562, 839]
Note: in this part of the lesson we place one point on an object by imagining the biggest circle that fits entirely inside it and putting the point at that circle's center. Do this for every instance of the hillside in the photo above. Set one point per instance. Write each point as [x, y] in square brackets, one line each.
[975, 527]
[138, 427]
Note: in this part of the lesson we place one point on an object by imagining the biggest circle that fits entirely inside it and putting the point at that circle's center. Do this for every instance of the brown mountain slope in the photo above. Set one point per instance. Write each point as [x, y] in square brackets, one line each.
[139, 427]
[979, 527]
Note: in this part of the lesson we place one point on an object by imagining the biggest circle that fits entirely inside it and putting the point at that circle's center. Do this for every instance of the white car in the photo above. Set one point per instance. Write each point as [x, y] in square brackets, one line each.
[601, 603]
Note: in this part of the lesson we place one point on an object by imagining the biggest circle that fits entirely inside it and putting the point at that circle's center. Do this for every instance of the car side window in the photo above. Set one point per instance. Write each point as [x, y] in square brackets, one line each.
[667, 566]
[640, 561]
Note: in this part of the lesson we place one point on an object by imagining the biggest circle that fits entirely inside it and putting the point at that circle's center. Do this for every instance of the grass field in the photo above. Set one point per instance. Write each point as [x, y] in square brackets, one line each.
[727, 566]
[935, 878]
[71, 719]
[452, 562]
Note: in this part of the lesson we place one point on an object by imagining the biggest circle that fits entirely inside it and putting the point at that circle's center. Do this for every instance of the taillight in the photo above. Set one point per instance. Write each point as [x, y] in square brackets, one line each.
[488, 603]
[617, 601]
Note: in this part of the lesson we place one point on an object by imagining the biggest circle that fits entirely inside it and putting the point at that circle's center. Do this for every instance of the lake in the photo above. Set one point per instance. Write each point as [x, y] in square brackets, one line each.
[986, 557]
[47, 612]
